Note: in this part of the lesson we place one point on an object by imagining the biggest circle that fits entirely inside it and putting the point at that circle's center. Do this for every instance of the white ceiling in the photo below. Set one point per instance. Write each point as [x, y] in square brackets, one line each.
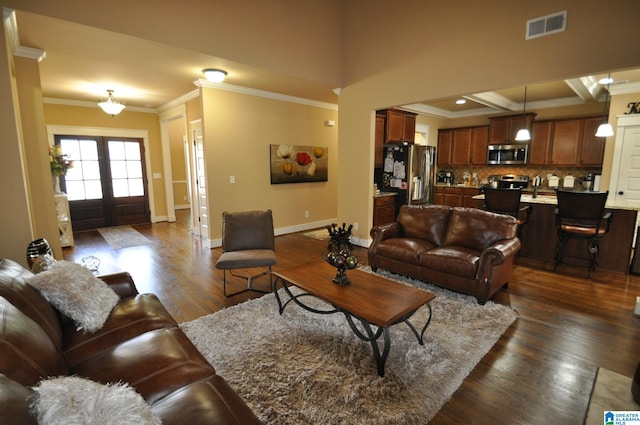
[82, 62]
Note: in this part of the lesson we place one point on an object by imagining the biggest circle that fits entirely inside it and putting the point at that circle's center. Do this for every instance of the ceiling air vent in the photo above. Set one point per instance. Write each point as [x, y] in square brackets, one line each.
[545, 25]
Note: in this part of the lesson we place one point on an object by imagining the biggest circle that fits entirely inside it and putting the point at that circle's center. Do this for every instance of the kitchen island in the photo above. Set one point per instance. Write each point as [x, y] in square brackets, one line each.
[539, 235]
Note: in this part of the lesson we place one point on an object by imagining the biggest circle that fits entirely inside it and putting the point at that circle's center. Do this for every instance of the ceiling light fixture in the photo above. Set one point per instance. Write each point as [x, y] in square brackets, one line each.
[605, 129]
[461, 102]
[523, 134]
[215, 75]
[111, 106]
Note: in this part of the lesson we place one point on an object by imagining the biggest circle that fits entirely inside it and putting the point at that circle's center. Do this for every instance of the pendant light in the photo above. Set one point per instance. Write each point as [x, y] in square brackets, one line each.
[605, 129]
[111, 106]
[523, 134]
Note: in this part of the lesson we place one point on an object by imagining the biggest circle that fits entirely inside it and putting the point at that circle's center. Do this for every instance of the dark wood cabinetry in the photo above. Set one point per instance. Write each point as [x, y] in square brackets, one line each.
[503, 130]
[400, 126]
[566, 141]
[384, 209]
[569, 142]
[445, 139]
[592, 147]
[463, 146]
[456, 196]
[540, 143]
[479, 144]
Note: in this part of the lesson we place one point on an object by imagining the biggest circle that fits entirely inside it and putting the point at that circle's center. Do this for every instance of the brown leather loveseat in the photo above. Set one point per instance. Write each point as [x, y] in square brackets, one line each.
[467, 250]
[139, 344]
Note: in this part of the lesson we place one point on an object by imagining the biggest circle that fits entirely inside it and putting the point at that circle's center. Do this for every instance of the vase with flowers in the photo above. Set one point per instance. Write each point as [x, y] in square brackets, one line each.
[60, 164]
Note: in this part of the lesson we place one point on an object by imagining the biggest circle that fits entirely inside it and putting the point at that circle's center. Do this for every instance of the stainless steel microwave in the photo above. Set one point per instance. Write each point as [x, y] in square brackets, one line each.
[507, 154]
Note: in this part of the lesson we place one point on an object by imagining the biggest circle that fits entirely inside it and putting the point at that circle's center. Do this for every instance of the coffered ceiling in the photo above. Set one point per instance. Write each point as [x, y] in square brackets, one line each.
[80, 63]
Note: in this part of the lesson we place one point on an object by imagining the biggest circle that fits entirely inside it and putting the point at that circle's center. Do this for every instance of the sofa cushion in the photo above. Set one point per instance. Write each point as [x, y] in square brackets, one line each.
[27, 353]
[74, 400]
[14, 402]
[457, 261]
[424, 222]
[29, 300]
[406, 250]
[155, 363]
[129, 318]
[478, 229]
[77, 293]
[224, 405]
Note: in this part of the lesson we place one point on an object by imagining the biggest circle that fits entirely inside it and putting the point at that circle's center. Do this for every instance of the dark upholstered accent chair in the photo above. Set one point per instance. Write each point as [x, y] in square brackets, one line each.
[507, 201]
[581, 215]
[248, 242]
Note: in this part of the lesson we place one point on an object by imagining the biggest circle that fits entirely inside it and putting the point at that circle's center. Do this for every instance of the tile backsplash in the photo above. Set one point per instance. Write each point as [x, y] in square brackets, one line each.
[484, 171]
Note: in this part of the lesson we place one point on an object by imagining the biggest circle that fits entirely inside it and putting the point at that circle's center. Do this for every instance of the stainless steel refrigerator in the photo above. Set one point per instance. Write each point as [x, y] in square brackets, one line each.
[409, 171]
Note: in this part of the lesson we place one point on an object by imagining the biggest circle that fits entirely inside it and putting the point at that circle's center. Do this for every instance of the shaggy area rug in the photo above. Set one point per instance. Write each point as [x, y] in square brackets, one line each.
[305, 368]
[123, 237]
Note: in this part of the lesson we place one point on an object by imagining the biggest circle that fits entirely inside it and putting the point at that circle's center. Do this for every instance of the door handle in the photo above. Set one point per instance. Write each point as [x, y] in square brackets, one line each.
[620, 192]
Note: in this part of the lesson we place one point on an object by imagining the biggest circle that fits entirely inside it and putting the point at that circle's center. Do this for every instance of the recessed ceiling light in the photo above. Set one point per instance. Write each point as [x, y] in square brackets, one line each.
[461, 101]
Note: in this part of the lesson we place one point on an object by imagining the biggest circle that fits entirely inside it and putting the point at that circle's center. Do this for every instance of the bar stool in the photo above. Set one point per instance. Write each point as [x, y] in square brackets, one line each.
[580, 215]
[507, 201]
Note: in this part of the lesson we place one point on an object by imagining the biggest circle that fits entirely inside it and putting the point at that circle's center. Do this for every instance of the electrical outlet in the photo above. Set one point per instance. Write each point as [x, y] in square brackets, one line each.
[355, 226]
[306, 214]
[184, 198]
[232, 179]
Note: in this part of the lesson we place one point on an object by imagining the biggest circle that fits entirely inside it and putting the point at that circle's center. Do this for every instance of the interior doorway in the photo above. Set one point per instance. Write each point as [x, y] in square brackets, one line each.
[107, 185]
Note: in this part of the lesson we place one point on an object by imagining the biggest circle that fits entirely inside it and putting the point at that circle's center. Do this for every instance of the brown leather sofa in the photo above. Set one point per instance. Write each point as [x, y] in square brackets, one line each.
[467, 250]
[140, 344]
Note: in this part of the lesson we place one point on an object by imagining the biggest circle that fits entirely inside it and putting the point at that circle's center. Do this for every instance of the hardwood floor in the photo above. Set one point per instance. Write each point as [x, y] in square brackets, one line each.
[541, 370]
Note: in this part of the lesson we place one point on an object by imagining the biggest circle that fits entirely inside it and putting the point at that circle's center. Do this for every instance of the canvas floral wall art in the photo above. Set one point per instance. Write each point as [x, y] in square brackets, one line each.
[298, 164]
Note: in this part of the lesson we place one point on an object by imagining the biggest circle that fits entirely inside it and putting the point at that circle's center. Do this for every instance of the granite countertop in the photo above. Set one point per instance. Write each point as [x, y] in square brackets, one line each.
[551, 199]
[380, 194]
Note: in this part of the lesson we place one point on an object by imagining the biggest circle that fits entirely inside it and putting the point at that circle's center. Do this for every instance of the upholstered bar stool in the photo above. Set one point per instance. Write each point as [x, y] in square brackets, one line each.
[507, 201]
[581, 215]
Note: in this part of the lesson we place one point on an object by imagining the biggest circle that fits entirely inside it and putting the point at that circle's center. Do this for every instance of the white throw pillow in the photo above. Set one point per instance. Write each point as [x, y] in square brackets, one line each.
[77, 293]
[72, 400]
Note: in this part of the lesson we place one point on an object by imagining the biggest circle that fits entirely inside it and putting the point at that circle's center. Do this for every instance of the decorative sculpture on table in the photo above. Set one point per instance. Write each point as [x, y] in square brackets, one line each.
[340, 252]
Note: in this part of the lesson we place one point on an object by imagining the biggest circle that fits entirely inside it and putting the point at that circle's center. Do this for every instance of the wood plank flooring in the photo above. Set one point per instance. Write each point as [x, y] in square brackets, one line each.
[541, 370]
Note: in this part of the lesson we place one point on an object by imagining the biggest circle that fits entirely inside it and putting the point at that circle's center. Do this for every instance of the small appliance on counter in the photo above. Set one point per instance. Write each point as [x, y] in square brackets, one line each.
[591, 182]
[445, 177]
[554, 181]
[568, 182]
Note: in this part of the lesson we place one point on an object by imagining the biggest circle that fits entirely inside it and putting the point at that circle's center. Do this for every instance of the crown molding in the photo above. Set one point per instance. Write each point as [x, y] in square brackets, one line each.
[86, 104]
[179, 101]
[262, 93]
[11, 27]
[626, 88]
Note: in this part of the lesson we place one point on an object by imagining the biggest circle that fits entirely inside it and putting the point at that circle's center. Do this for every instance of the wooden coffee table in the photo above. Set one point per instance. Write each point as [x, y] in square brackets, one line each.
[370, 299]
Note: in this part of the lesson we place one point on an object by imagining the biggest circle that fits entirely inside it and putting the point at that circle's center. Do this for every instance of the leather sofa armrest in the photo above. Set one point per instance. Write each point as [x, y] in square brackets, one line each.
[495, 255]
[380, 233]
[385, 231]
[122, 283]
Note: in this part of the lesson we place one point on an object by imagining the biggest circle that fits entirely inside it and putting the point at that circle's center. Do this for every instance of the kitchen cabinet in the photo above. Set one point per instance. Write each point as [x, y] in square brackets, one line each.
[479, 144]
[566, 141]
[463, 146]
[591, 147]
[379, 140]
[400, 126]
[456, 196]
[569, 142]
[384, 209]
[503, 130]
[540, 144]
[445, 138]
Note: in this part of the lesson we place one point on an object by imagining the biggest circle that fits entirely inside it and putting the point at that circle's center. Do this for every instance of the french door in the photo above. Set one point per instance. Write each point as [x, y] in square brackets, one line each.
[107, 185]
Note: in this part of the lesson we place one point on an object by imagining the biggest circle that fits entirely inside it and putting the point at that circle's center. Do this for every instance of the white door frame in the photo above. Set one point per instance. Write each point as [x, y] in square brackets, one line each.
[623, 121]
[70, 130]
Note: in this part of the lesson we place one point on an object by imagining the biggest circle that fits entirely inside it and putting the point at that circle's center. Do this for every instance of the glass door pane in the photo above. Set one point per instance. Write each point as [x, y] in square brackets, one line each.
[83, 181]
